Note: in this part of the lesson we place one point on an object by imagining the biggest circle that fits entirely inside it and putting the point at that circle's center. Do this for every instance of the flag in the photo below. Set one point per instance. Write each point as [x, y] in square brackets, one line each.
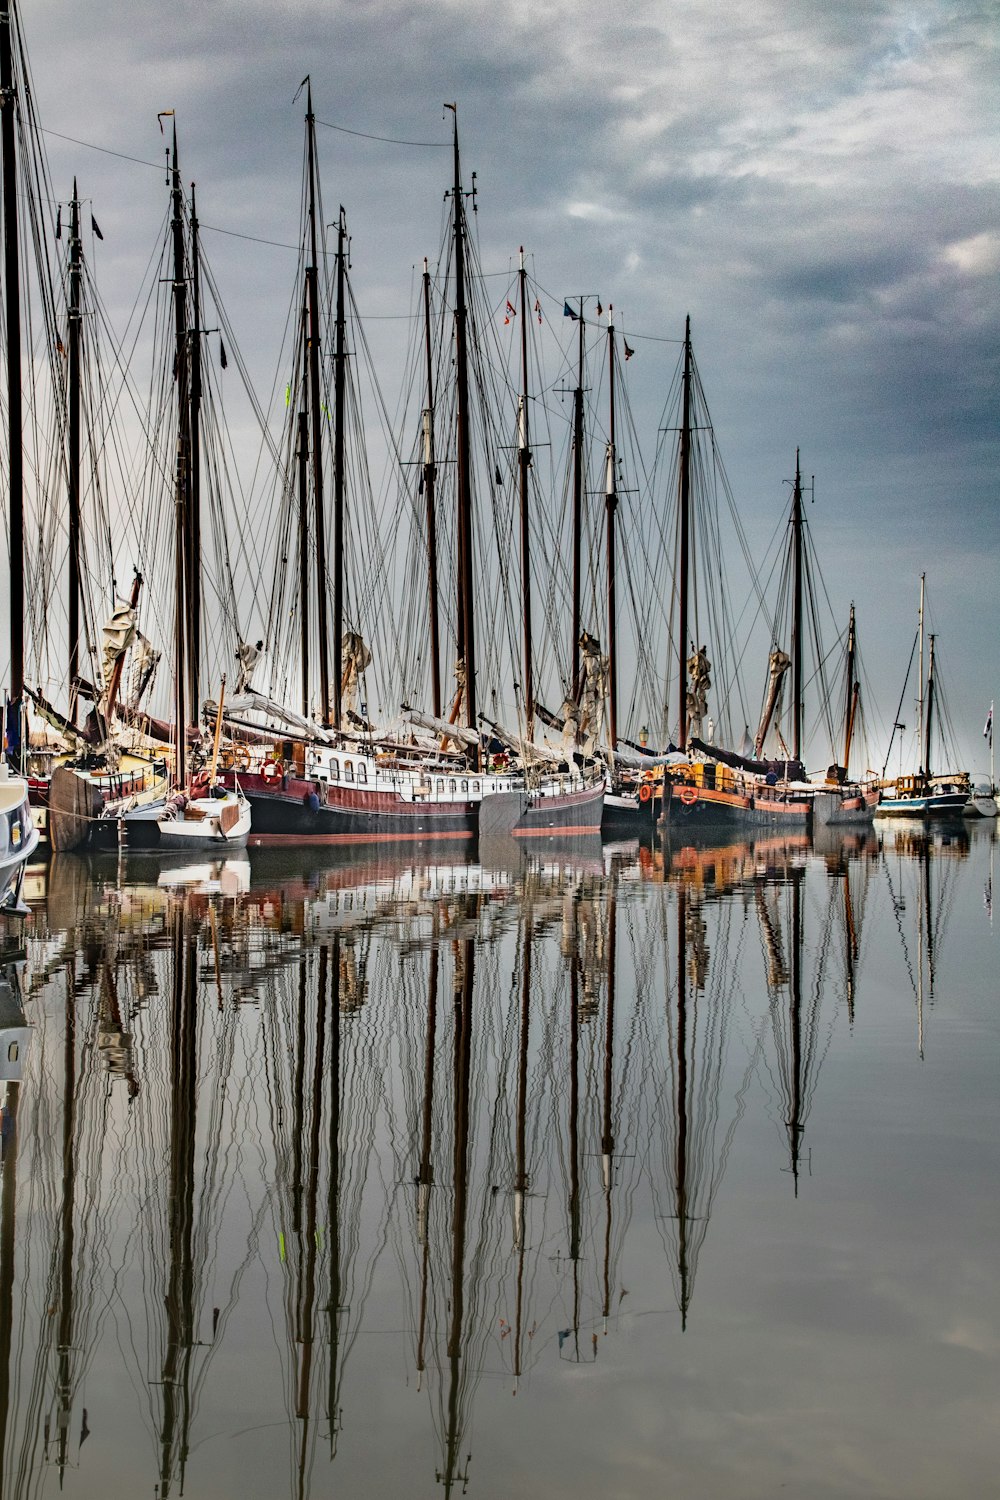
[600, 309]
[223, 361]
[988, 727]
[511, 311]
[538, 309]
[59, 222]
[569, 313]
[628, 352]
[95, 227]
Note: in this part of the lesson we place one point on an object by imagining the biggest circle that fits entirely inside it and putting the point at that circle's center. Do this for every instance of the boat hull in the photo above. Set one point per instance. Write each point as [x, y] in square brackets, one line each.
[18, 841]
[937, 805]
[300, 811]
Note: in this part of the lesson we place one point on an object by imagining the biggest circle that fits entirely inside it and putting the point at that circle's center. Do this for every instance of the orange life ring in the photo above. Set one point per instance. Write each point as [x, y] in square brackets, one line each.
[272, 771]
[645, 792]
[688, 795]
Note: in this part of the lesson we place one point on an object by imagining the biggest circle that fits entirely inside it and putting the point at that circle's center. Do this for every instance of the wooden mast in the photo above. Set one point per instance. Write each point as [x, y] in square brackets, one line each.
[193, 570]
[524, 468]
[12, 311]
[920, 675]
[577, 512]
[466, 597]
[302, 466]
[611, 508]
[929, 715]
[853, 691]
[316, 415]
[73, 476]
[181, 474]
[430, 482]
[339, 484]
[684, 504]
[797, 652]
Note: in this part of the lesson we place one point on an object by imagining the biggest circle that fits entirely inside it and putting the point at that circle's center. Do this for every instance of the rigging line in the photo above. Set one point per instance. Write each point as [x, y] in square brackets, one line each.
[106, 150]
[388, 140]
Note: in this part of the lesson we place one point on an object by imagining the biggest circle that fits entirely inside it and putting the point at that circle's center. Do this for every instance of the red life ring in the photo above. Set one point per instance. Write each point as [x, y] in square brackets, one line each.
[272, 772]
[688, 795]
[645, 792]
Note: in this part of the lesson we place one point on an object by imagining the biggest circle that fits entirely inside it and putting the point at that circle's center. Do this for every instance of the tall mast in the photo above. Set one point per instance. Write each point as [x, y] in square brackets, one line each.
[577, 509]
[929, 714]
[797, 613]
[339, 388]
[12, 310]
[852, 691]
[611, 507]
[920, 675]
[73, 477]
[466, 611]
[182, 472]
[194, 485]
[316, 416]
[523, 467]
[302, 463]
[684, 505]
[430, 481]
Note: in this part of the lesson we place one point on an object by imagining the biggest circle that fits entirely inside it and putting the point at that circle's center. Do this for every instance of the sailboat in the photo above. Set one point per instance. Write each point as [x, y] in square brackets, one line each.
[200, 813]
[925, 793]
[338, 780]
[782, 787]
[983, 802]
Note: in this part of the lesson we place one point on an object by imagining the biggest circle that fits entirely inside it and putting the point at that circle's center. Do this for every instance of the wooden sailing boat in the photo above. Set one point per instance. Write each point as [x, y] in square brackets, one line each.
[200, 814]
[338, 781]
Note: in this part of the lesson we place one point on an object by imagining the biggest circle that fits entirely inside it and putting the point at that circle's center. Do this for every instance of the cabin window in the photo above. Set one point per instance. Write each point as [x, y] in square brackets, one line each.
[334, 770]
[440, 786]
[362, 771]
[475, 786]
[348, 770]
[12, 1052]
[465, 785]
[451, 786]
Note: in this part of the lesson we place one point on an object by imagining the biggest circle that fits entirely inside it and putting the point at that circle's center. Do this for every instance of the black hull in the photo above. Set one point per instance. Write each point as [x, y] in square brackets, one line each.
[295, 813]
[626, 816]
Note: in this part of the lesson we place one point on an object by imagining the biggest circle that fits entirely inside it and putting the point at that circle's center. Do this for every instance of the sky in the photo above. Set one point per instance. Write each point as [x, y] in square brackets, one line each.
[815, 185]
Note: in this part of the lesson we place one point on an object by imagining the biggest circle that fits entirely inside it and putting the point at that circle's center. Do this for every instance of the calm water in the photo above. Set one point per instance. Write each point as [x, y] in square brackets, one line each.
[610, 1174]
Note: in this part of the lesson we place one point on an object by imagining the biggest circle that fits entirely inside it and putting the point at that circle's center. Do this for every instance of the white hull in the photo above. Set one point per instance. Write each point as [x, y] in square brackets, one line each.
[18, 839]
[216, 823]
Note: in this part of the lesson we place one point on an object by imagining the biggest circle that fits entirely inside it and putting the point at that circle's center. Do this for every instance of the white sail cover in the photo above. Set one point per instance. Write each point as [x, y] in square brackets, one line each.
[595, 684]
[145, 660]
[635, 760]
[355, 657]
[250, 701]
[456, 732]
[700, 672]
[117, 636]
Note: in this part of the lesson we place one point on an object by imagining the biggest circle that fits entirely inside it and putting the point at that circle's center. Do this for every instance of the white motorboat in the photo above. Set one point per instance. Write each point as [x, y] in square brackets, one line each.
[18, 838]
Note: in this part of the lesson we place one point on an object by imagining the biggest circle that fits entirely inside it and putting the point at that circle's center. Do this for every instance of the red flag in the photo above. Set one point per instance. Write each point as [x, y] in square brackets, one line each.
[538, 309]
[628, 352]
[511, 311]
[600, 309]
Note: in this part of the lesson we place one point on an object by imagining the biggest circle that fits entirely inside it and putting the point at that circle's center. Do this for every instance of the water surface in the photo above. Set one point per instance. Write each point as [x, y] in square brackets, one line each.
[592, 1173]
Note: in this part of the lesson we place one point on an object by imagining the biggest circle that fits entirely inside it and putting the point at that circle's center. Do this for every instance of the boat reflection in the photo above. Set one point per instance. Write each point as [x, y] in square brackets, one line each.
[266, 1106]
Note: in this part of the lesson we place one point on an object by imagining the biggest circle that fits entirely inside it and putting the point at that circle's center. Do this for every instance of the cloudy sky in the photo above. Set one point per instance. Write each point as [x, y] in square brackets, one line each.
[816, 185]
